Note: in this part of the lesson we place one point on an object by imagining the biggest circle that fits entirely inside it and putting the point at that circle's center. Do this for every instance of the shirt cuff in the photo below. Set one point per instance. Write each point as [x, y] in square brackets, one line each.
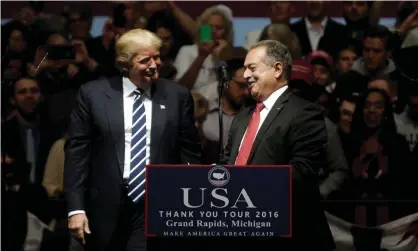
[76, 212]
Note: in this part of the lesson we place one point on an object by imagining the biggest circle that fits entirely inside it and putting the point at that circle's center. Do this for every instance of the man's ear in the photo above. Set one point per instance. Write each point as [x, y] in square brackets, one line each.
[278, 68]
[124, 66]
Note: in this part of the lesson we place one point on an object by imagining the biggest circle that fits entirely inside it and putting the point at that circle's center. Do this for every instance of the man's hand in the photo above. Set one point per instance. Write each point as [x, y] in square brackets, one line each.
[81, 53]
[222, 45]
[206, 49]
[78, 225]
[72, 71]
[412, 230]
[410, 22]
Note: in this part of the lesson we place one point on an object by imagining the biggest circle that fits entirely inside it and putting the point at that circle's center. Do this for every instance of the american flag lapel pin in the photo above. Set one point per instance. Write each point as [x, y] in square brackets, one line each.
[162, 107]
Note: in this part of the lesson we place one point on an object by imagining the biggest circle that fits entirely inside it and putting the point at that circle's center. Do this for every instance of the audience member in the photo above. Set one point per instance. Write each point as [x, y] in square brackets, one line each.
[279, 12]
[317, 31]
[407, 121]
[376, 155]
[195, 64]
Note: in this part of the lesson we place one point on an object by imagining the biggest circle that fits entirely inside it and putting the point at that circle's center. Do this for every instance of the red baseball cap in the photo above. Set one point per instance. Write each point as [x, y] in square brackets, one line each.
[302, 70]
[320, 57]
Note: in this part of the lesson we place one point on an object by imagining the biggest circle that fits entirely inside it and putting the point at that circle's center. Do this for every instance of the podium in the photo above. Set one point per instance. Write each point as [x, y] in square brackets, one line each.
[218, 201]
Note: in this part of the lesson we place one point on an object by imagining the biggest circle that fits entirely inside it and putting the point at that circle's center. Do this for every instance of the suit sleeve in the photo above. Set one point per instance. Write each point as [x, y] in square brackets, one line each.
[307, 140]
[228, 147]
[336, 163]
[189, 142]
[77, 153]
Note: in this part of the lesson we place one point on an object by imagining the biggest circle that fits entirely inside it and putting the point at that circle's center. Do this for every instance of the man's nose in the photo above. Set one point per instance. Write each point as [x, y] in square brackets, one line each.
[152, 64]
[247, 74]
[29, 95]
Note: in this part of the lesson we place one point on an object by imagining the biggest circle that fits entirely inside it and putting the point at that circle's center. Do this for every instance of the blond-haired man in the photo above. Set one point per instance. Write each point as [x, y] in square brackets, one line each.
[117, 127]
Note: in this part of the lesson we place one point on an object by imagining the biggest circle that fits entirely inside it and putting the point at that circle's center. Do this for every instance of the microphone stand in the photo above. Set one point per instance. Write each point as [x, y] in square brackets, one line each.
[222, 83]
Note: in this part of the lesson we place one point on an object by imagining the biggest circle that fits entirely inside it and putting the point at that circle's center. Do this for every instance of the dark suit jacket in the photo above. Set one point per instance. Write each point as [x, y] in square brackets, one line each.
[334, 38]
[94, 151]
[293, 133]
[12, 145]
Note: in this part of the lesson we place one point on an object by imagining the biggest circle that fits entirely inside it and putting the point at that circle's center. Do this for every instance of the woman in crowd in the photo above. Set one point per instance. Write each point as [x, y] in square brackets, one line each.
[196, 63]
[379, 158]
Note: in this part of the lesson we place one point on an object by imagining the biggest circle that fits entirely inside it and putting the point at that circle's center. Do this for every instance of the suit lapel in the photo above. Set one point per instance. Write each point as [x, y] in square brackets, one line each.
[329, 29]
[304, 40]
[275, 110]
[159, 109]
[242, 127]
[115, 116]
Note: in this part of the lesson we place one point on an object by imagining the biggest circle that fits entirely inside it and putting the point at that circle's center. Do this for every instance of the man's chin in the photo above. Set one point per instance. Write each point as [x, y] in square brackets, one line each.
[149, 79]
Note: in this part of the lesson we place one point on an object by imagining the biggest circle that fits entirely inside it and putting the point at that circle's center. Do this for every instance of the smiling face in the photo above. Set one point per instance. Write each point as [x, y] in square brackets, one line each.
[263, 79]
[145, 65]
[238, 89]
[27, 96]
[374, 109]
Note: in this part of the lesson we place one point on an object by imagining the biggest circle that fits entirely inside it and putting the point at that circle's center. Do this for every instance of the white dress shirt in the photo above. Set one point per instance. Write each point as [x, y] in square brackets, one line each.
[185, 58]
[30, 154]
[128, 102]
[268, 105]
[315, 34]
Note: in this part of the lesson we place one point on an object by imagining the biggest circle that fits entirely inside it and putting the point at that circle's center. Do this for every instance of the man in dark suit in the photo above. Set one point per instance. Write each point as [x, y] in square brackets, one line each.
[316, 31]
[28, 135]
[283, 129]
[117, 127]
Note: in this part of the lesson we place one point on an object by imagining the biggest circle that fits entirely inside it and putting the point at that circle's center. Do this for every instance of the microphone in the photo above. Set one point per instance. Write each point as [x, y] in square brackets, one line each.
[222, 70]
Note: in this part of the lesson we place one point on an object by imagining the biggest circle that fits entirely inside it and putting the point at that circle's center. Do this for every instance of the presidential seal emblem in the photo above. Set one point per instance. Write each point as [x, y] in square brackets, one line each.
[218, 176]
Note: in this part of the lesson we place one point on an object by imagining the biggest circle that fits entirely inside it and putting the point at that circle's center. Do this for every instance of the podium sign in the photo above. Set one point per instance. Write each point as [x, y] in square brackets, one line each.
[218, 201]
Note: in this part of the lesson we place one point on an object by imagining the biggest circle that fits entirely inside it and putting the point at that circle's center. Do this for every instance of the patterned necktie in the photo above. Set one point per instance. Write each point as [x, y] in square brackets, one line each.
[136, 187]
[247, 143]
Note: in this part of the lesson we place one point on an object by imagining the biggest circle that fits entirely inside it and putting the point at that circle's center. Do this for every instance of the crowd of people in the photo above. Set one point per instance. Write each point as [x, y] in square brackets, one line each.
[362, 76]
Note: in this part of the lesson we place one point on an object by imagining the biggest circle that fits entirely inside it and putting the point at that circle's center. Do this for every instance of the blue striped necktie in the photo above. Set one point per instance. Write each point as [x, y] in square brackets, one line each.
[136, 187]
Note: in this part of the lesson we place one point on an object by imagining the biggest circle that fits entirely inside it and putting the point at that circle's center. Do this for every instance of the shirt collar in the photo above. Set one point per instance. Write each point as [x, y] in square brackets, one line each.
[309, 24]
[271, 100]
[129, 88]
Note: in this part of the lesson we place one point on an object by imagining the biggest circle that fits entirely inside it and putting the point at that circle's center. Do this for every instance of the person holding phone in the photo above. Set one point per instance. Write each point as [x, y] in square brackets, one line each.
[195, 63]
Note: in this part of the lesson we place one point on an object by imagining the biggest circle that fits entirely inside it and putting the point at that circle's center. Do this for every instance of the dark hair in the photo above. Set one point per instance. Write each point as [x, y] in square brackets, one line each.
[348, 98]
[234, 65]
[119, 19]
[164, 19]
[405, 11]
[382, 32]
[161, 19]
[37, 6]
[277, 52]
[13, 86]
[360, 129]
[346, 46]
[413, 90]
[82, 8]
